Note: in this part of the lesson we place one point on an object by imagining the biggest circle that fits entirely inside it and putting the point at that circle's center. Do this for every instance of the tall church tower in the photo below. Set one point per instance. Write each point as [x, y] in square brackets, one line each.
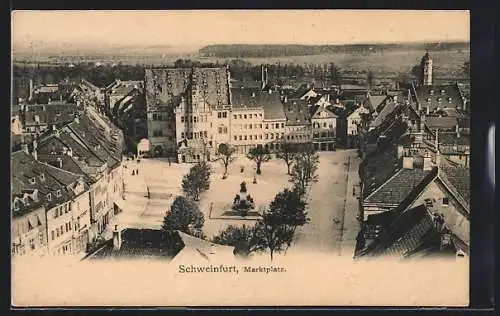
[426, 70]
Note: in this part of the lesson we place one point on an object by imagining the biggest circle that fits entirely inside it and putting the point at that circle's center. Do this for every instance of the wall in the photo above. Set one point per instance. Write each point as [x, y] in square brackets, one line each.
[454, 218]
[60, 229]
[31, 242]
[80, 209]
[240, 129]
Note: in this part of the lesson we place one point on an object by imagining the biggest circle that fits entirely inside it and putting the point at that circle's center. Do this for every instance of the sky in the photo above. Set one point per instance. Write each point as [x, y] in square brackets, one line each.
[199, 28]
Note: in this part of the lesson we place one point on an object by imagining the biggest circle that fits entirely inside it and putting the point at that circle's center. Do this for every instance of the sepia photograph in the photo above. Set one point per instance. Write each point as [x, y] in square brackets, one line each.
[240, 158]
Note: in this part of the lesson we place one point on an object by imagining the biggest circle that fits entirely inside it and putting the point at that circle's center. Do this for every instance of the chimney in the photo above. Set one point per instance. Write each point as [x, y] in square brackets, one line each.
[117, 239]
[77, 119]
[407, 162]
[270, 91]
[395, 98]
[436, 145]
[30, 96]
[59, 163]
[427, 163]
[328, 97]
[286, 98]
[25, 148]
[428, 110]
[35, 154]
[457, 131]
[253, 94]
[400, 151]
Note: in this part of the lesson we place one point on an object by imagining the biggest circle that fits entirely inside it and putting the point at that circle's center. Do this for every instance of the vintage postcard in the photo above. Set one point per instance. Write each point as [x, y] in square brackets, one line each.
[240, 158]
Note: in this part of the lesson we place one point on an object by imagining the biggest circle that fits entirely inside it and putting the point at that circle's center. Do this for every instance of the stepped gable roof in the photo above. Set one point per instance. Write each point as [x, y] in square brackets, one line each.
[412, 232]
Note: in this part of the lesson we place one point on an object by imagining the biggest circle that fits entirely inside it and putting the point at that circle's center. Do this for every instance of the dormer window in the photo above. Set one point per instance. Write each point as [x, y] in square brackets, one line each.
[58, 193]
[16, 205]
[32, 180]
[26, 201]
[428, 99]
[49, 197]
[431, 92]
[442, 91]
[42, 177]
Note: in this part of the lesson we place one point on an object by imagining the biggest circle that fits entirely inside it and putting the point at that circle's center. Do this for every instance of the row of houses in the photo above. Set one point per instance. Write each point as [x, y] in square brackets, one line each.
[66, 185]
[415, 188]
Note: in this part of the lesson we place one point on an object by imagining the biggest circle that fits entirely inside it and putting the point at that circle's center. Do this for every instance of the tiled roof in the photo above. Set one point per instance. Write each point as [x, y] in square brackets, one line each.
[445, 122]
[437, 96]
[398, 187]
[121, 90]
[378, 168]
[46, 89]
[164, 87]
[352, 87]
[410, 232]
[297, 113]
[246, 84]
[450, 138]
[273, 108]
[386, 110]
[315, 110]
[376, 100]
[141, 243]
[51, 114]
[459, 178]
[25, 168]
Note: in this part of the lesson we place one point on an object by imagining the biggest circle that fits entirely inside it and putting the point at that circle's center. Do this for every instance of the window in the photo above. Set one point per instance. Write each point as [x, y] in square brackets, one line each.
[190, 135]
[32, 244]
[250, 137]
[182, 134]
[225, 130]
[282, 125]
[272, 136]
[205, 133]
[220, 130]
[32, 180]
[277, 125]
[235, 137]
[182, 119]
[250, 126]
[52, 235]
[245, 137]
[195, 135]
[267, 136]
[324, 125]
[241, 137]
[445, 200]
[239, 116]
[245, 116]
[267, 126]
[260, 114]
[49, 197]
[260, 136]
[245, 126]
[235, 116]
[190, 119]
[195, 119]
[260, 126]
[219, 115]
[224, 114]
[249, 115]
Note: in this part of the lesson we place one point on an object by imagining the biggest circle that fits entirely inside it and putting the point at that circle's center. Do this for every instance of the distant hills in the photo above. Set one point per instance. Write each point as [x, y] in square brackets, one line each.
[276, 50]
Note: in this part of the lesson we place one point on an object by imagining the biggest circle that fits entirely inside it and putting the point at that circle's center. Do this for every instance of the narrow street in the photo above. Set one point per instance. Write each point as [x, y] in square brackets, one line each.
[331, 207]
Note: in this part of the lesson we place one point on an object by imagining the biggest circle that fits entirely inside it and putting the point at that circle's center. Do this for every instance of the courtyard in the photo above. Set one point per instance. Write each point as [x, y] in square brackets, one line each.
[327, 199]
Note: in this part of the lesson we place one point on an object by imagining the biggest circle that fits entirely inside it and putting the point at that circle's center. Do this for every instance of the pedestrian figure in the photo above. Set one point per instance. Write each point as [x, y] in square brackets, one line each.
[149, 194]
[133, 172]
[137, 172]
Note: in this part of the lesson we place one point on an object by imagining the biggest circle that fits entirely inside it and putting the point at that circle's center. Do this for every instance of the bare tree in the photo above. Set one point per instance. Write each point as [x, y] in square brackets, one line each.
[225, 154]
[259, 154]
[287, 152]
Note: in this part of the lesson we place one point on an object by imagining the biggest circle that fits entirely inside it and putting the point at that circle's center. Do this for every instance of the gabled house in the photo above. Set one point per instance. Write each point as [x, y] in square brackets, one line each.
[418, 232]
[324, 126]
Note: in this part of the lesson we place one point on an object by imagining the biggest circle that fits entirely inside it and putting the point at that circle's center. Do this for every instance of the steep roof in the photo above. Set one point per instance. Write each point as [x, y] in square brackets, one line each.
[459, 178]
[51, 114]
[381, 117]
[439, 96]
[445, 122]
[273, 108]
[29, 174]
[411, 232]
[165, 86]
[398, 187]
[297, 112]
